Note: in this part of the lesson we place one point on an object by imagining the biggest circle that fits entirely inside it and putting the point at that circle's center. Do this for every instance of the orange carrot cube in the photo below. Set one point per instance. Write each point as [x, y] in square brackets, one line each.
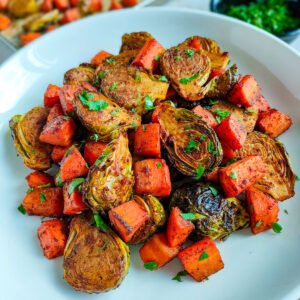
[92, 150]
[206, 115]
[36, 179]
[4, 22]
[29, 37]
[55, 111]
[99, 57]
[66, 95]
[51, 96]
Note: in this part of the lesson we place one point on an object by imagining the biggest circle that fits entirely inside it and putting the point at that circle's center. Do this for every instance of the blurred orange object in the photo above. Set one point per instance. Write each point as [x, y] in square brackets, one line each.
[47, 5]
[50, 28]
[3, 4]
[70, 15]
[116, 5]
[130, 2]
[29, 37]
[4, 22]
[62, 4]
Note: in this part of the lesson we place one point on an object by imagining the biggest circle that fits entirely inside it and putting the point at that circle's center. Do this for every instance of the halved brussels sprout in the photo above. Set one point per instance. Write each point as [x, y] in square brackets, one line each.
[26, 130]
[192, 145]
[134, 40]
[95, 260]
[83, 73]
[279, 179]
[215, 216]
[109, 120]
[157, 218]
[110, 180]
[41, 21]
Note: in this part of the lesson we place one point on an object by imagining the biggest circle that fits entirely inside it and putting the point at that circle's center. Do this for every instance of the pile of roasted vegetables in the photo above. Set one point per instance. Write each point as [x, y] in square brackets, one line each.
[22, 21]
[152, 146]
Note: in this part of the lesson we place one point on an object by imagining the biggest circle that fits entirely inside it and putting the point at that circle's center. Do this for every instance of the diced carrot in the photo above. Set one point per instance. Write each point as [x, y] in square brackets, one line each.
[36, 179]
[61, 4]
[178, 228]
[66, 96]
[213, 176]
[206, 115]
[73, 203]
[59, 131]
[129, 3]
[157, 110]
[158, 250]
[245, 92]
[95, 5]
[128, 218]
[171, 93]
[115, 5]
[45, 202]
[238, 176]
[201, 259]
[70, 15]
[147, 140]
[232, 132]
[53, 237]
[227, 151]
[47, 5]
[73, 165]
[215, 73]
[262, 209]
[195, 43]
[58, 152]
[3, 4]
[146, 56]
[74, 2]
[4, 21]
[50, 28]
[88, 87]
[92, 150]
[99, 57]
[152, 176]
[260, 105]
[273, 122]
[29, 37]
[51, 96]
[55, 111]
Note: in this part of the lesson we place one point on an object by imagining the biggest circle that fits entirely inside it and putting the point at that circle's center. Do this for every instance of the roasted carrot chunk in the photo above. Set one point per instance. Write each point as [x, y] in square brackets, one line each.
[66, 96]
[70, 15]
[245, 92]
[237, 177]
[47, 5]
[201, 259]
[263, 210]
[92, 150]
[51, 96]
[50, 28]
[59, 131]
[88, 87]
[4, 22]
[157, 250]
[36, 179]
[128, 218]
[147, 140]
[232, 132]
[129, 3]
[99, 57]
[206, 115]
[213, 176]
[73, 165]
[74, 2]
[260, 105]
[58, 152]
[146, 56]
[178, 228]
[73, 203]
[61, 4]
[29, 37]
[3, 4]
[45, 202]
[157, 110]
[94, 6]
[115, 4]
[273, 122]
[55, 111]
[53, 237]
[227, 151]
[215, 73]
[152, 176]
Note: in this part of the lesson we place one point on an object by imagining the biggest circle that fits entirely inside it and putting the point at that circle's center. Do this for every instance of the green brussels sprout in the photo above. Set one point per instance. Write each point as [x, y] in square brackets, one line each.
[279, 179]
[83, 73]
[26, 130]
[110, 180]
[192, 145]
[215, 216]
[96, 260]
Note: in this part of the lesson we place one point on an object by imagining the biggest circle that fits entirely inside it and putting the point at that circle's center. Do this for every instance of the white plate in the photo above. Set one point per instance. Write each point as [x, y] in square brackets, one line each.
[266, 266]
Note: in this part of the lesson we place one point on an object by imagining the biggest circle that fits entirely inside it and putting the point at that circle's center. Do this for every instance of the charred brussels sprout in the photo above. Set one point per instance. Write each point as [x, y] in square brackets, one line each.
[191, 144]
[83, 73]
[215, 216]
[279, 179]
[110, 180]
[26, 130]
[134, 40]
[95, 260]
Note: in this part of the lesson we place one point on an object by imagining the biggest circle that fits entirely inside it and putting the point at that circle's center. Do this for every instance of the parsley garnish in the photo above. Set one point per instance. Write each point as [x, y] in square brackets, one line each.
[222, 114]
[69, 150]
[152, 265]
[250, 111]
[178, 276]
[258, 223]
[199, 171]
[96, 80]
[203, 137]
[189, 53]
[157, 58]
[188, 216]
[210, 146]
[191, 146]
[233, 175]
[92, 105]
[144, 128]
[30, 190]
[213, 102]
[43, 197]
[100, 158]
[163, 78]
[133, 110]
[102, 248]
[114, 112]
[95, 137]
[158, 165]
[110, 60]
[74, 183]
[230, 161]
[213, 190]
[102, 74]
[251, 208]
[296, 178]
[204, 255]
[44, 185]
[67, 118]
[21, 209]
[286, 211]
[169, 101]
[276, 227]
[99, 222]
[149, 103]
[114, 86]
[177, 57]
[187, 79]
[137, 77]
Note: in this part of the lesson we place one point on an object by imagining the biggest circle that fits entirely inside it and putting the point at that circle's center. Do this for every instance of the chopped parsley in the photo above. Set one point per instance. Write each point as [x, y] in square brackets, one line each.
[222, 114]
[152, 265]
[96, 80]
[102, 248]
[163, 78]
[210, 146]
[157, 58]
[70, 149]
[188, 216]
[30, 190]
[102, 74]
[149, 103]
[114, 86]
[213, 102]
[203, 137]
[187, 79]
[250, 111]
[233, 175]
[99, 222]
[137, 77]
[67, 118]
[258, 223]
[133, 110]
[296, 178]
[144, 128]
[178, 57]
[231, 160]
[251, 208]
[170, 102]
[158, 165]
[43, 197]
[114, 112]
[74, 183]
[213, 190]
[92, 105]
[189, 53]
[100, 158]
[95, 137]
[22, 210]
[44, 185]
[204, 255]
[199, 171]
[109, 60]
[178, 276]
[191, 146]
[286, 212]
[277, 228]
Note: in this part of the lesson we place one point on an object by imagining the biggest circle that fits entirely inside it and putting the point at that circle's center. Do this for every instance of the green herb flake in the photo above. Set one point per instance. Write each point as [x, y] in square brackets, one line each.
[199, 171]
[102, 248]
[100, 158]
[178, 276]
[152, 265]
[258, 223]
[178, 57]
[277, 228]
[109, 60]
[189, 53]
[203, 137]
[74, 183]
[30, 190]
[149, 103]
[42, 218]
[95, 137]
[60, 184]
[233, 175]
[286, 212]
[296, 178]
[144, 128]
[137, 77]
[96, 80]
[44, 185]
[191, 146]
[222, 113]
[133, 110]
[210, 146]
[251, 209]
[266, 133]
[203, 256]
[231, 161]
[213, 190]
[21, 209]
[213, 102]
[92, 105]
[114, 112]
[114, 86]
[71, 114]
[43, 197]
[170, 102]
[163, 78]
[102, 74]
[188, 216]
[99, 222]
[32, 152]
[159, 165]
[188, 79]
[218, 119]
[247, 111]
[157, 58]
[67, 118]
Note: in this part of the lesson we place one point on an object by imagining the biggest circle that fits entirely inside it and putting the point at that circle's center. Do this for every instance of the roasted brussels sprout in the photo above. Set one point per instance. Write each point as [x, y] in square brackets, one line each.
[107, 122]
[191, 144]
[83, 73]
[95, 260]
[134, 40]
[20, 8]
[42, 20]
[279, 179]
[157, 218]
[26, 131]
[110, 180]
[215, 216]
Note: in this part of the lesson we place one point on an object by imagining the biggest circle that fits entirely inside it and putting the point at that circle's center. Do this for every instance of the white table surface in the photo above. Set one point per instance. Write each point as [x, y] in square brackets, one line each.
[204, 5]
